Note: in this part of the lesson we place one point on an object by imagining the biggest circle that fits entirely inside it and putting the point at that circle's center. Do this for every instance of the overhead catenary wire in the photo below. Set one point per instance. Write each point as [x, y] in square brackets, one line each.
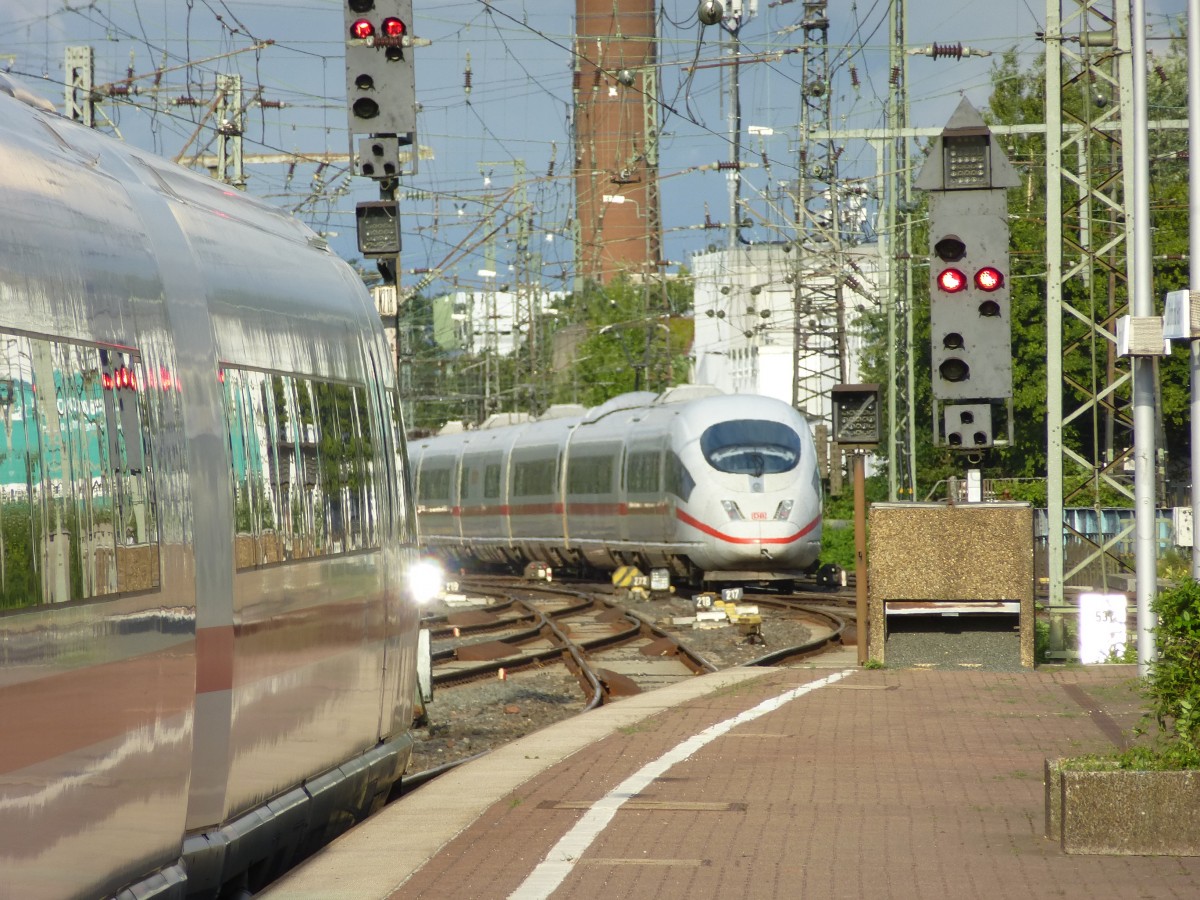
[520, 43]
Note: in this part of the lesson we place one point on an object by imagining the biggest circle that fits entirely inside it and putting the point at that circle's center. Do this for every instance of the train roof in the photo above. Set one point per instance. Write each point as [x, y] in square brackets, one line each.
[95, 229]
[571, 416]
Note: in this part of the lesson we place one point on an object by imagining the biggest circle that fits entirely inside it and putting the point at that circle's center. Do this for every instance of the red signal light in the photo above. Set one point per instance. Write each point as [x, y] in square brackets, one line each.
[362, 29]
[951, 281]
[989, 279]
[393, 27]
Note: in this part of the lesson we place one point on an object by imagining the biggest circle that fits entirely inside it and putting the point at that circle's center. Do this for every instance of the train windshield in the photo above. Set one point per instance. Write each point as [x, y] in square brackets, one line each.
[751, 446]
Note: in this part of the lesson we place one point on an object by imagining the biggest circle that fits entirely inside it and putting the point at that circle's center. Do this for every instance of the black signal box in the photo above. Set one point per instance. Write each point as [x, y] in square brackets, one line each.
[856, 414]
[378, 228]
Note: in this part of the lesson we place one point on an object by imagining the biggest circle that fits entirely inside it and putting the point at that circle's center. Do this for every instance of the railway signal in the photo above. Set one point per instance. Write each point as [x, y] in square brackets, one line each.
[380, 80]
[967, 176]
[381, 109]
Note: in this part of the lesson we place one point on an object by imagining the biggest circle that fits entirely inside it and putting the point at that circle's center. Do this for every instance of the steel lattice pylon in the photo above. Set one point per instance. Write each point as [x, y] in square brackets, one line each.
[1089, 132]
[819, 333]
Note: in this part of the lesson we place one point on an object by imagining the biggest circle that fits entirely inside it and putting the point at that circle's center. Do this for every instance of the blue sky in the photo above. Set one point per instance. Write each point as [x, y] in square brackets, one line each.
[517, 113]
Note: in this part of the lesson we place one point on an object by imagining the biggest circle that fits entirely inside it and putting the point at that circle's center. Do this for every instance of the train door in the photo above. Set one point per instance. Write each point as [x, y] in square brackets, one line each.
[647, 508]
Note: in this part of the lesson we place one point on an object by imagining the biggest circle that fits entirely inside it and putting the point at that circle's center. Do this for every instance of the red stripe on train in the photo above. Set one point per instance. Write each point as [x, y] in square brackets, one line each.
[573, 509]
[730, 539]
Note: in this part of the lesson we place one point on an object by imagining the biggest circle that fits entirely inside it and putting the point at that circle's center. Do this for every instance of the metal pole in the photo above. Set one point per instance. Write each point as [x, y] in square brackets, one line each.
[1194, 246]
[1141, 285]
[895, 162]
[734, 175]
[1054, 310]
[860, 553]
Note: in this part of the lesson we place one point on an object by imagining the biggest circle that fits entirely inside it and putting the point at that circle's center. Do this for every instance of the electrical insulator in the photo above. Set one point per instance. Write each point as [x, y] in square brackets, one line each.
[948, 51]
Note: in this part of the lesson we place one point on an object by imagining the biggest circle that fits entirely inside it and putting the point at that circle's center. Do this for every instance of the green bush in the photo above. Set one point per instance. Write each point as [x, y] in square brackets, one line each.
[1174, 564]
[1173, 682]
[837, 546]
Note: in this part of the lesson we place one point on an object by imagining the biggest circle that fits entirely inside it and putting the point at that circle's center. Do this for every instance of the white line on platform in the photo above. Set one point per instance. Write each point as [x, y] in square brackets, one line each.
[553, 870]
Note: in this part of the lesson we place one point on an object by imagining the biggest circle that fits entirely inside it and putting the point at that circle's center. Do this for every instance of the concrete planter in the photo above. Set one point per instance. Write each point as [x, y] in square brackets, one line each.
[1123, 812]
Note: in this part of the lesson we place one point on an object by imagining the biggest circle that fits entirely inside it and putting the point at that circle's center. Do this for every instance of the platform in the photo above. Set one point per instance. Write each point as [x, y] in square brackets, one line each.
[830, 782]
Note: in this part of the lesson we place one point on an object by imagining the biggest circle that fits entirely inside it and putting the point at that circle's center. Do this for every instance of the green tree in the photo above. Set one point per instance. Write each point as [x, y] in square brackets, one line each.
[626, 336]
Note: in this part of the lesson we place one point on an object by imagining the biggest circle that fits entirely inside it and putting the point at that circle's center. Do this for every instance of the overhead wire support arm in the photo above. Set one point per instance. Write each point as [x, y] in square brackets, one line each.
[110, 88]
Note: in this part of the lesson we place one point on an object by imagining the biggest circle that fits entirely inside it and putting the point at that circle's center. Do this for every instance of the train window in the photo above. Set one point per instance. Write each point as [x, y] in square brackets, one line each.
[365, 500]
[434, 486]
[591, 474]
[285, 474]
[677, 479]
[751, 446]
[77, 508]
[341, 451]
[491, 481]
[254, 510]
[535, 478]
[303, 467]
[312, 537]
[642, 472]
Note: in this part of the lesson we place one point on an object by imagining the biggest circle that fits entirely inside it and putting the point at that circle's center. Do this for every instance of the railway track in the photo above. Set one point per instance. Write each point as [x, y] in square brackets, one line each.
[512, 657]
[593, 636]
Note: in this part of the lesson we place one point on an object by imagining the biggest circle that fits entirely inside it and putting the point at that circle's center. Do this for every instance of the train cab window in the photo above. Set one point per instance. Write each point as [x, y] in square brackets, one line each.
[77, 507]
[751, 446]
[677, 479]
[302, 453]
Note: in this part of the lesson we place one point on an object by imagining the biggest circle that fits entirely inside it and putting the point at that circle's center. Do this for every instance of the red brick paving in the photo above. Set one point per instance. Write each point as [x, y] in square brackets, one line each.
[905, 784]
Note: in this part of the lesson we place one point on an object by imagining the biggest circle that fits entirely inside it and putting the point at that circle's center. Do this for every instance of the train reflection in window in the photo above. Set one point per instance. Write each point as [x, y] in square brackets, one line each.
[751, 446]
[77, 508]
[303, 467]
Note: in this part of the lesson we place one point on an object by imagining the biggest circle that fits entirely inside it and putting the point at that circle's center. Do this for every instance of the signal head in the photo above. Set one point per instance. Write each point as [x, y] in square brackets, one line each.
[951, 281]
[954, 370]
[989, 279]
[362, 29]
[951, 248]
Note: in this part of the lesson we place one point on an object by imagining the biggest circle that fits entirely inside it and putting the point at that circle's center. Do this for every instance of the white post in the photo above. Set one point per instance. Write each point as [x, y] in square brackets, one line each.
[1141, 287]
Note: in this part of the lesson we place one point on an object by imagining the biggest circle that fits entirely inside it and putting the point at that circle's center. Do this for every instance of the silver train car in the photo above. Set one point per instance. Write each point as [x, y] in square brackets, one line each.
[207, 643]
[713, 486]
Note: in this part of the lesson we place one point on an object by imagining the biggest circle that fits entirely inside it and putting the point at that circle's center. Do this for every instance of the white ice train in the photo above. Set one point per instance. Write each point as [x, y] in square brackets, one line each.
[713, 486]
[207, 643]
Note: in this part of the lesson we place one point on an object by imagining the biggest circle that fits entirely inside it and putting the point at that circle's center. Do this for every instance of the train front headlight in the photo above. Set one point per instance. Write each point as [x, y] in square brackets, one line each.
[426, 580]
[784, 510]
[732, 510]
